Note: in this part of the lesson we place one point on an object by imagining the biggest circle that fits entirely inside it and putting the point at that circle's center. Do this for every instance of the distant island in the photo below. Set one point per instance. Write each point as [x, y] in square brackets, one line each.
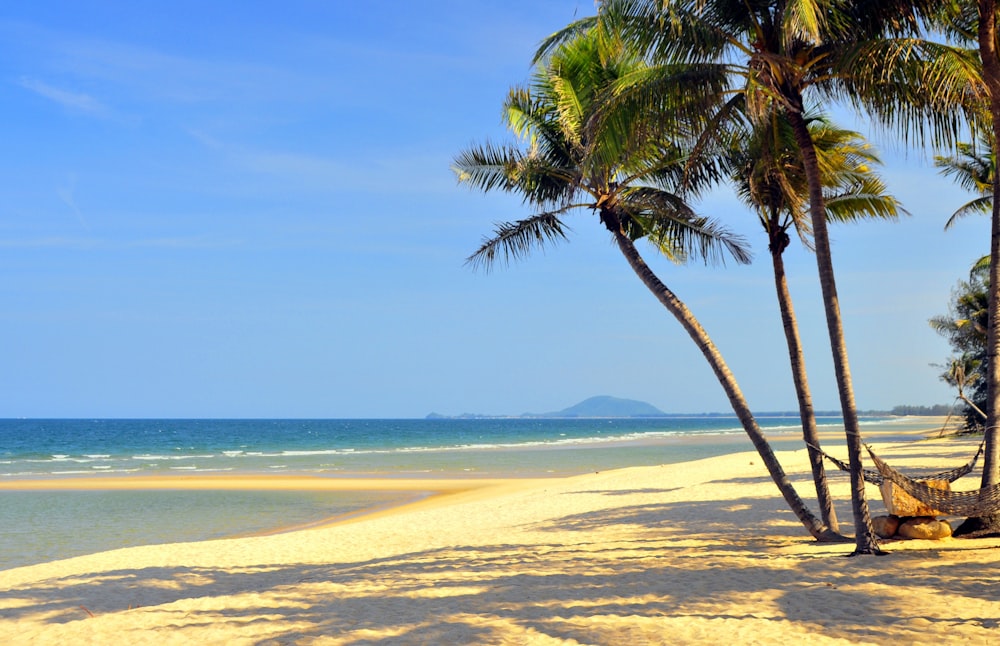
[605, 406]
[600, 406]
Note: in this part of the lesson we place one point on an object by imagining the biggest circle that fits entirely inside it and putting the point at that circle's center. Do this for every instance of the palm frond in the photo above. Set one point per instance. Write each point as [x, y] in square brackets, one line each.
[567, 34]
[668, 30]
[804, 21]
[981, 268]
[865, 199]
[488, 167]
[677, 231]
[979, 206]
[538, 180]
[513, 240]
[971, 167]
[925, 90]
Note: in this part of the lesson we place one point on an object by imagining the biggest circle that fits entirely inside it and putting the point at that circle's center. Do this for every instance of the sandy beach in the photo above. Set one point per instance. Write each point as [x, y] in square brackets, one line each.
[690, 553]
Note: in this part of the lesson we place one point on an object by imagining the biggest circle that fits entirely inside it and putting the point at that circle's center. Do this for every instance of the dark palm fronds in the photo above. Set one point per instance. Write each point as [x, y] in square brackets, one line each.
[513, 240]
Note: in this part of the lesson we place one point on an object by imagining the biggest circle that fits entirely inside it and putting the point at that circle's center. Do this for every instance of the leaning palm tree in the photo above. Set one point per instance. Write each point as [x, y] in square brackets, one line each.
[777, 52]
[961, 373]
[766, 170]
[622, 166]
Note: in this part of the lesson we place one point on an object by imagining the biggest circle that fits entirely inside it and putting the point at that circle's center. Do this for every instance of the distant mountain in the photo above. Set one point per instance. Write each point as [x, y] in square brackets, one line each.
[605, 406]
[601, 406]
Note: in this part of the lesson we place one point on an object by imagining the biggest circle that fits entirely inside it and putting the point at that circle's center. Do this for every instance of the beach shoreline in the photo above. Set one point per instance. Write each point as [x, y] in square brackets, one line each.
[312, 499]
[701, 551]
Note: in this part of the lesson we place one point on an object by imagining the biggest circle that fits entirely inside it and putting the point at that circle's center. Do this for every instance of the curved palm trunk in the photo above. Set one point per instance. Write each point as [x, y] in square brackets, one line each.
[864, 536]
[983, 416]
[797, 361]
[680, 311]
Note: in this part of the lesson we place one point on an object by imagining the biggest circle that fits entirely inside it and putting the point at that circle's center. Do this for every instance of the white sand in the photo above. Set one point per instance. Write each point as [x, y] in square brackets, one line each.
[701, 552]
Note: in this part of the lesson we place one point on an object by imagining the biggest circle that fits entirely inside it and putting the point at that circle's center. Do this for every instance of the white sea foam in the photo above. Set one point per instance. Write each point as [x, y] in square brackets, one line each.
[297, 454]
[172, 457]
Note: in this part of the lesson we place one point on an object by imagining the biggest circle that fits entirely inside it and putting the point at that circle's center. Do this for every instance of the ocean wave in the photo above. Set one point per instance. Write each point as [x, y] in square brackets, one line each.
[149, 457]
[561, 441]
[346, 451]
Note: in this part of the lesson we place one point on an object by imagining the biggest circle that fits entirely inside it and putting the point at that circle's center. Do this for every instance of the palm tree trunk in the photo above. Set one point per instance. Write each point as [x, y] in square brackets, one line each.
[864, 536]
[991, 456]
[991, 74]
[680, 311]
[978, 411]
[798, 365]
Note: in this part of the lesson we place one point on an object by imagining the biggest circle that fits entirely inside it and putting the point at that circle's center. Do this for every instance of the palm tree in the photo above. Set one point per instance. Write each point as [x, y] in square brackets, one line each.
[966, 326]
[574, 155]
[990, 57]
[972, 167]
[778, 51]
[962, 372]
[767, 173]
[977, 22]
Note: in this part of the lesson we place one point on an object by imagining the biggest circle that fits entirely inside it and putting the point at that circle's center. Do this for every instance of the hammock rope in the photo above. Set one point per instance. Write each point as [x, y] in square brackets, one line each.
[877, 478]
[974, 504]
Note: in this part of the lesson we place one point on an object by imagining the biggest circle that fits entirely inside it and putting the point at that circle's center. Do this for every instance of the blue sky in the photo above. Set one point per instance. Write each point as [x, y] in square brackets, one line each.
[245, 209]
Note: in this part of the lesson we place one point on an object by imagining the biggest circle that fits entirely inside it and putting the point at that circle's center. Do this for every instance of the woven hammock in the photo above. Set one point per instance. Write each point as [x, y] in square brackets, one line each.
[974, 504]
[876, 478]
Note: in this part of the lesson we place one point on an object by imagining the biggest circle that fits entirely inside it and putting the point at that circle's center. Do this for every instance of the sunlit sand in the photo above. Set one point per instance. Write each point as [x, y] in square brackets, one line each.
[698, 552]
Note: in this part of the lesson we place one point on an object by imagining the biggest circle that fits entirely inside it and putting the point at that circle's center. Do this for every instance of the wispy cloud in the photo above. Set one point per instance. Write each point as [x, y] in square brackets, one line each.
[76, 101]
[68, 195]
[412, 172]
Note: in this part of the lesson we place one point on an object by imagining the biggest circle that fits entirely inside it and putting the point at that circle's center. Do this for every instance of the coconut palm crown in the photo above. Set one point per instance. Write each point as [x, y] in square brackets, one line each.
[766, 170]
[571, 156]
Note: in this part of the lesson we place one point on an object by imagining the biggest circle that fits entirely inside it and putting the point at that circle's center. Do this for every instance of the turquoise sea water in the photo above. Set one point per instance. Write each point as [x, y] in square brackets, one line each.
[38, 526]
[41, 448]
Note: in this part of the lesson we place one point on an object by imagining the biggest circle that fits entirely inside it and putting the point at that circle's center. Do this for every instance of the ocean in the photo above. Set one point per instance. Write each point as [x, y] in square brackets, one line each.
[39, 526]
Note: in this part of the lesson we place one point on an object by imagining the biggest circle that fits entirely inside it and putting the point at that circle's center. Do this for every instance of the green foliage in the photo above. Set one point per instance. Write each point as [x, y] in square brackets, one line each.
[766, 168]
[965, 327]
[584, 142]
